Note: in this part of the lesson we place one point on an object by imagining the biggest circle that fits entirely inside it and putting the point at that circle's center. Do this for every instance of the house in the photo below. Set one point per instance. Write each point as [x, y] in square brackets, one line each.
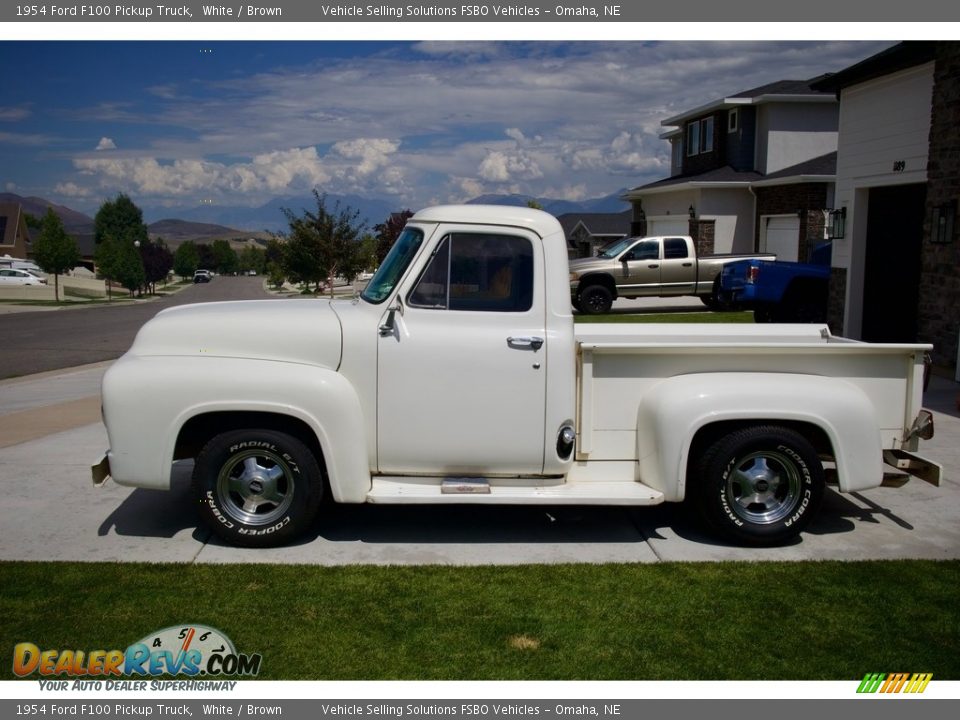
[587, 232]
[751, 171]
[14, 235]
[896, 258]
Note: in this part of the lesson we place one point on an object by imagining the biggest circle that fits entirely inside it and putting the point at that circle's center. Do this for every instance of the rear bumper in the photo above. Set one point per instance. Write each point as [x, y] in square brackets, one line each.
[100, 471]
[915, 465]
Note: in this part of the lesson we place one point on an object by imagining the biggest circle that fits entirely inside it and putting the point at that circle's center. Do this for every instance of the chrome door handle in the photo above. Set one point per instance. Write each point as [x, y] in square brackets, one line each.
[534, 343]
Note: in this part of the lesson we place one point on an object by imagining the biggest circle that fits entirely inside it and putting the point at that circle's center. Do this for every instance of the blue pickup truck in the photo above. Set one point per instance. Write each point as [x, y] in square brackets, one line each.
[779, 291]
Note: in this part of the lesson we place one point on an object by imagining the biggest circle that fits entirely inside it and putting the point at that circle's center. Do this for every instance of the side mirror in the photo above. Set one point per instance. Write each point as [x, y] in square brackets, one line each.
[389, 324]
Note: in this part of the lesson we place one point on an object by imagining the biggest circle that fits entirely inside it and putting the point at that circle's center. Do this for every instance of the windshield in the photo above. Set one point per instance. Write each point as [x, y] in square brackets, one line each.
[614, 249]
[393, 267]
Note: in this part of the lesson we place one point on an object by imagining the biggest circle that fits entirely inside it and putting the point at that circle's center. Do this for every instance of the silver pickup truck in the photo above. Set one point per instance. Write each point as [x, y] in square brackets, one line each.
[647, 267]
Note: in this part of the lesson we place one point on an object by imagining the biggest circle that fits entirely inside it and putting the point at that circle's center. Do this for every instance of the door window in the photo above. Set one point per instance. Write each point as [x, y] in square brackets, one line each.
[674, 248]
[473, 271]
[646, 250]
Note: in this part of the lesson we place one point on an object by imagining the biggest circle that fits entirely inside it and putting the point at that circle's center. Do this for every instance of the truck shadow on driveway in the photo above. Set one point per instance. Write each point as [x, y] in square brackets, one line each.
[156, 513]
[165, 514]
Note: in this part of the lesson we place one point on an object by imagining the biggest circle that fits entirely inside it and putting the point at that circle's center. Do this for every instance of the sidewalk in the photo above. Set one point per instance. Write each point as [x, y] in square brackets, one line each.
[51, 434]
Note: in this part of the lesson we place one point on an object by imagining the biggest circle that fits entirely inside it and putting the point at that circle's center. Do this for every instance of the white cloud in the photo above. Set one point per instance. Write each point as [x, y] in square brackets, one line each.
[106, 144]
[293, 169]
[428, 119]
[70, 189]
[627, 154]
[501, 167]
[373, 153]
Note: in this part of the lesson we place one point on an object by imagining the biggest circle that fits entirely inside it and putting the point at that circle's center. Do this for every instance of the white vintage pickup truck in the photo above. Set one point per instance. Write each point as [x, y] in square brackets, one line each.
[458, 376]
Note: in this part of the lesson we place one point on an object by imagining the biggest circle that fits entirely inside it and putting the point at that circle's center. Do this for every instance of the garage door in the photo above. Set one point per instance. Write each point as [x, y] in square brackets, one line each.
[782, 237]
[670, 226]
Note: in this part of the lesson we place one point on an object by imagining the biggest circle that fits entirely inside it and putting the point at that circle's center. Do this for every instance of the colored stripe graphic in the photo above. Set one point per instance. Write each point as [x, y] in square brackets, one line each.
[894, 682]
[918, 683]
[871, 682]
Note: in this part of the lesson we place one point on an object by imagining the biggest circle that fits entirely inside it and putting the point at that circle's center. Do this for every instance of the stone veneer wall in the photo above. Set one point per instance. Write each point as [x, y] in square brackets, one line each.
[837, 300]
[703, 233]
[939, 311]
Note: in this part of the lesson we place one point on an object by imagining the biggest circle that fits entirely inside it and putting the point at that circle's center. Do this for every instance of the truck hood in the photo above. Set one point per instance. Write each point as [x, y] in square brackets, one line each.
[298, 331]
[585, 265]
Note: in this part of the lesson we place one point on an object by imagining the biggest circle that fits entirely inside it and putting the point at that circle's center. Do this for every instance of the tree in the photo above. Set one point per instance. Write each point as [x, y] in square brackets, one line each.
[534, 204]
[253, 258]
[207, 260]
[274, 251]
[388, 232]
[157, 262]
[186, 260]
[224, 257]
[325, 244]
[119, 218]
[53, 250]
[119, 260]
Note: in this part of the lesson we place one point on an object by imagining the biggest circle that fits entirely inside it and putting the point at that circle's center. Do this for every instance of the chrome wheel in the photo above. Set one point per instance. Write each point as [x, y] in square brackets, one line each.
[763, 487]
[255, 487]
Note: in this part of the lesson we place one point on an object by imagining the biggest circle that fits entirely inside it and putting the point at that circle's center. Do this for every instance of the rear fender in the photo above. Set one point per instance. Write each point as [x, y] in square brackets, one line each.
[675, 410]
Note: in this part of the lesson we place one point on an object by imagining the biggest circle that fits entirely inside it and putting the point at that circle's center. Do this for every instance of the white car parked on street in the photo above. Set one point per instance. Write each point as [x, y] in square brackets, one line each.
[10, 276]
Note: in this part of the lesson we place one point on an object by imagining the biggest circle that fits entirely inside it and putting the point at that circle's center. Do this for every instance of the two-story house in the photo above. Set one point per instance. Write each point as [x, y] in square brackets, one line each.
[751, 171]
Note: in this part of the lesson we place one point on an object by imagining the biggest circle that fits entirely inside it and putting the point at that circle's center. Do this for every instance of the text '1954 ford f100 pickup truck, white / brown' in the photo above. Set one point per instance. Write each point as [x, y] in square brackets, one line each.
[458, 376]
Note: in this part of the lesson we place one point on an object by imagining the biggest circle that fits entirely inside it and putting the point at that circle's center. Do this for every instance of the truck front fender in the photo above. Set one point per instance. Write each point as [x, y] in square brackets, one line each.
[148, 400]
[675, 410]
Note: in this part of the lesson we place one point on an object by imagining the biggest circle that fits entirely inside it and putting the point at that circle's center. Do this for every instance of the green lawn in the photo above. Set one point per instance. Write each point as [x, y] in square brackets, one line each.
[697, 621]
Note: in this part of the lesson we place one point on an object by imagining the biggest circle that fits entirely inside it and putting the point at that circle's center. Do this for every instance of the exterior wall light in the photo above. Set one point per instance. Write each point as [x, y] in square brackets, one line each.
[838, 223]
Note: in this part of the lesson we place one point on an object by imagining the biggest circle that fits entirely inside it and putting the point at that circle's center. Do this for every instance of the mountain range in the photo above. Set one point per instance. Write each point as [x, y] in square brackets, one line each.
[212, 221]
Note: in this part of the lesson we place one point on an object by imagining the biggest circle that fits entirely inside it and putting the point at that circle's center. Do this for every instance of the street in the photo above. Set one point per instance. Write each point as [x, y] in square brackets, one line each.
[50, 340]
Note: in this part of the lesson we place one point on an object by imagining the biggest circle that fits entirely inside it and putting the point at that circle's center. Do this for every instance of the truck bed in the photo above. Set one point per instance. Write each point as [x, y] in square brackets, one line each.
[627, 360]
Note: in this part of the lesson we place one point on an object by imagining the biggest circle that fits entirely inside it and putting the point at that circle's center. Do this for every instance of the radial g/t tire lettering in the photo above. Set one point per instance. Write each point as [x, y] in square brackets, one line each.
[759, 485]
[257, 488]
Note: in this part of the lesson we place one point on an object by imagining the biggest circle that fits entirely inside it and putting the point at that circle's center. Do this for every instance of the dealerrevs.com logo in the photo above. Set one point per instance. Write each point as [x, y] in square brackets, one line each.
[190, 650]
[894, 682]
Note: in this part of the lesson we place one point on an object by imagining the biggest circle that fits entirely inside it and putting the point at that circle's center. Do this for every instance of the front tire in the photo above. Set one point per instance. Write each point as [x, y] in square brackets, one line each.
[596, 300]
[760, 485]
[257, 488]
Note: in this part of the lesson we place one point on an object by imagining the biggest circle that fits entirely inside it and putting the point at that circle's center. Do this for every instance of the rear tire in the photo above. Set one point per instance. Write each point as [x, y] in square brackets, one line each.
[759, 486]
[257, 488]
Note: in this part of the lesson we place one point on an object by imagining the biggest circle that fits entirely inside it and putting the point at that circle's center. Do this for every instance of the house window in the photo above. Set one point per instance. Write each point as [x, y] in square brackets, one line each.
[677, 152]
[733, 121]
[693, 138]
[706, 134]
[700, 136]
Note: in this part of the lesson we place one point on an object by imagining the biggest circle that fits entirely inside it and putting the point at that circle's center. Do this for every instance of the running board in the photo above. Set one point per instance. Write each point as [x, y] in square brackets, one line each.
[495, 491]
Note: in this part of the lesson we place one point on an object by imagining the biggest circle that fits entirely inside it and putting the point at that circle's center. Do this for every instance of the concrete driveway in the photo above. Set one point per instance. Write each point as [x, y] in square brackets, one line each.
[50, 434]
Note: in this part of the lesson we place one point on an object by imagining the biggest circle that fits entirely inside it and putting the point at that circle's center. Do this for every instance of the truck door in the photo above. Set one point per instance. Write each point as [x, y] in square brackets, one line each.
[462, 368]
[678, 273]
[640, 266]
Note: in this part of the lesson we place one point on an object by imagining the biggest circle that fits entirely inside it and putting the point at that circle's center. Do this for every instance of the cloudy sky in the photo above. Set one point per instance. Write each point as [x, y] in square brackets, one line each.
[178, 124]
